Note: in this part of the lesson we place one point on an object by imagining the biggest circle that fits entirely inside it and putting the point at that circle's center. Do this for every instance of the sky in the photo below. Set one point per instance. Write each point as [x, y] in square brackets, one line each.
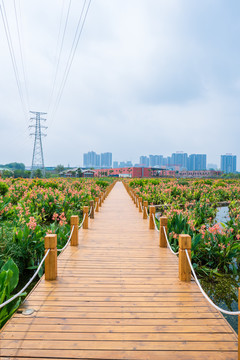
[147, 77]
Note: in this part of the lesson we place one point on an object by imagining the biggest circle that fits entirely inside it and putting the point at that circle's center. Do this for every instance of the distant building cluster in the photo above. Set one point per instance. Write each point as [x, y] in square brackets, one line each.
[178, 161]
[122, 164]
[194, 162]
[93, 160]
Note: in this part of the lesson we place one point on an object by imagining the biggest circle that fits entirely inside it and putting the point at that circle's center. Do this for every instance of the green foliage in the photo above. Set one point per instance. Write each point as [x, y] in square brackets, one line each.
[38, 174]
[9, 276]
[15, 166]
[59, 168]
[182, 182]
[103, 184]
[3, 188]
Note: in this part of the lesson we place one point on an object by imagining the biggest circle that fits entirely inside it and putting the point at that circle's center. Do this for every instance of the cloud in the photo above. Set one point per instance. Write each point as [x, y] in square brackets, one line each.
[150, 76]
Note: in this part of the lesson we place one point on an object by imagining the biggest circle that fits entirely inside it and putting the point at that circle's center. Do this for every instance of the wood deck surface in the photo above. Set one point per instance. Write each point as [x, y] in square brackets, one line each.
[117, 296]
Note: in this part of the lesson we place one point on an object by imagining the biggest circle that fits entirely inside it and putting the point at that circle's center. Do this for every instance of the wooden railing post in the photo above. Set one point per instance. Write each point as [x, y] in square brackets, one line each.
[131, 194]
[100, 200]
[140, 204]
[97, 204]
[74, 221]
[152, 211]
[50, 242]
[145, 209]
[85, 212]
[162, 237]
[137, 196]
[134, 197]
[92, 209]
[184, 268]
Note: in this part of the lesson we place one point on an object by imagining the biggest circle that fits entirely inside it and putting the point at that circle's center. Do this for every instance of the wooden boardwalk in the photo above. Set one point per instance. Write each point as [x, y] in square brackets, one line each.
[118, 296]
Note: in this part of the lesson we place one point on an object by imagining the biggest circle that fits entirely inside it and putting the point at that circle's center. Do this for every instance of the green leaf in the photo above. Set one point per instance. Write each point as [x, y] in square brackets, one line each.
[13, 280]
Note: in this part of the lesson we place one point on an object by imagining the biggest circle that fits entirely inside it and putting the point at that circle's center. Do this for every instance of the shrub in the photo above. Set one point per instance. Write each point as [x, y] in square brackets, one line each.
[3, 188]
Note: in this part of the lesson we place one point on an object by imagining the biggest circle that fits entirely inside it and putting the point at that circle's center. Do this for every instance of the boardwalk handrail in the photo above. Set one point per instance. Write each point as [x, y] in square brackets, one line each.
[90, 211]
[69, 239]
[203, 292]
[154, 220]
[28, 283]
[82, 221]
[168, 243]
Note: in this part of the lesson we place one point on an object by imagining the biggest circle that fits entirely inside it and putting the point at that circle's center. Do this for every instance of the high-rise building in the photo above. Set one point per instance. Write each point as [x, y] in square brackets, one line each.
[228, 163]
[212, 167]
[106, 160]
[180, 159]
[115, 164]
[90, 159]
[197, 162]
[144, 160]
[98, 160]
[125, 164]
[155, 160]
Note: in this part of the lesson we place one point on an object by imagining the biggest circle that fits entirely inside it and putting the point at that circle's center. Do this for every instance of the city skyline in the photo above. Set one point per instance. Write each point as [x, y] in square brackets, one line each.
[179, 159]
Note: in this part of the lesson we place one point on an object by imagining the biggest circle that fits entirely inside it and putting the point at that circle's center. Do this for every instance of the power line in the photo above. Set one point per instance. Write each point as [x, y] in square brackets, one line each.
[76, 39]
[21, 52]
[12, 55]
[61, 46]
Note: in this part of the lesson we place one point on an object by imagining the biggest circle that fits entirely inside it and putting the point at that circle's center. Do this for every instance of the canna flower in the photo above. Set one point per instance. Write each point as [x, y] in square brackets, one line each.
[32, 223]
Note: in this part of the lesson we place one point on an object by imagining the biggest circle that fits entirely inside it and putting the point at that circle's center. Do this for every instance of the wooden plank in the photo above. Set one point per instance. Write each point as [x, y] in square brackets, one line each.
[118, 315]
[119, 329]
[118, 336]
[117, 355]
[142, 322]
[120, 345]
[110, 309]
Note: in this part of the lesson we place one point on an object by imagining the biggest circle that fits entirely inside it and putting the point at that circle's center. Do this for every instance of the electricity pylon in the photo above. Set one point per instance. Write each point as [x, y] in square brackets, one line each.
[37, 159]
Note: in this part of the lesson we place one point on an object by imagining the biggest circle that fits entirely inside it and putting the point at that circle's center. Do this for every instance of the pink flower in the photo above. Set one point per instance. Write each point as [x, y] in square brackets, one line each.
[32, 223]
[55, 216]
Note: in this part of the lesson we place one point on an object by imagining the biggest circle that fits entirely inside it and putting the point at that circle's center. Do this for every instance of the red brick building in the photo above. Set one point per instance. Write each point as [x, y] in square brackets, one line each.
[135, 172]
[140, 172]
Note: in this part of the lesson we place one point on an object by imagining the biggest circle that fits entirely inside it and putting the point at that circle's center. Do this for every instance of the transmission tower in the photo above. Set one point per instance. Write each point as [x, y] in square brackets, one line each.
[37, 159]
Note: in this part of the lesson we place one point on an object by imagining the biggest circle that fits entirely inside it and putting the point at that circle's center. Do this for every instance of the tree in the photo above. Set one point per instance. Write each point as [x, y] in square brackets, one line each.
[21, 174]
[79, 172]
[59, 168]
[7, 174]
[37, 173]
[15, 166]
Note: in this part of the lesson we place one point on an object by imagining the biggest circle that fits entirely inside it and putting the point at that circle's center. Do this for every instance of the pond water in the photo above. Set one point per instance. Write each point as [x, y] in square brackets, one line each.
[224, 293]
[222, 215]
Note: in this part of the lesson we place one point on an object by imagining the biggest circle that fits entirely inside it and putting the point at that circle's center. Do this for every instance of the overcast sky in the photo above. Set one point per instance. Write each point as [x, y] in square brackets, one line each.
[148, 77]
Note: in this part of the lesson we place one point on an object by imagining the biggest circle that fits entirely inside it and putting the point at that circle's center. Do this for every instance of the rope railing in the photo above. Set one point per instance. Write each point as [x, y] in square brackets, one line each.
[154, 220]
[28, 283]
[69, 239]
[203, 292]
[147, 212]
[82, 221]
[90, 211]
[168, 243]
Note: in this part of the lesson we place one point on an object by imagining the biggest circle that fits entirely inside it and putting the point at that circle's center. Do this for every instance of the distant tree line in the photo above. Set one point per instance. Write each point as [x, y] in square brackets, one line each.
[18, 170]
